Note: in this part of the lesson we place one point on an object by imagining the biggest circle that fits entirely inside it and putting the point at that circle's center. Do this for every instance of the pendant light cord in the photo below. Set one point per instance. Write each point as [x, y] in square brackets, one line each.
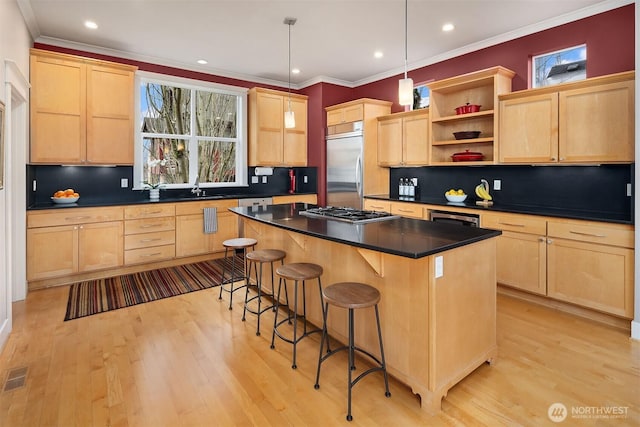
[406, 26]
[289, 66]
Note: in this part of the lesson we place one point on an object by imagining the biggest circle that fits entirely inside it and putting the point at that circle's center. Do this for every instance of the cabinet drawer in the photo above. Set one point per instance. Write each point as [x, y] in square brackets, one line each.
[192, 208]
[136, 226]
[69, 216]
[377, 205]
[606, 234]
[146, 240]
[411, 210]
[144, 255]
[136, 212]
[516, 223]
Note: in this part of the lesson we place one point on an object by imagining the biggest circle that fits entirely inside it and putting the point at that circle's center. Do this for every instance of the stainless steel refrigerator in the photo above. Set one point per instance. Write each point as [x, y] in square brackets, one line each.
[344, 165]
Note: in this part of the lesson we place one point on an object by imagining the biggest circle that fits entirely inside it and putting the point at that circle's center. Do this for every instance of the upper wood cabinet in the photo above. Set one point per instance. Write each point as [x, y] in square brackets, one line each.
[478, 88]
[591, 121]
[82, 110]
[345, 114]
[403, 139]
[270, 144]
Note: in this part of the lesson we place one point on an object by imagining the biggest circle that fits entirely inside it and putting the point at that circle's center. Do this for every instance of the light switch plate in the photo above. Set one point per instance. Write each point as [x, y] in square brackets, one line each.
[439, 266]
[124, 183]
[305, 179]
[497, 184]
[255, 179]
[264, 179]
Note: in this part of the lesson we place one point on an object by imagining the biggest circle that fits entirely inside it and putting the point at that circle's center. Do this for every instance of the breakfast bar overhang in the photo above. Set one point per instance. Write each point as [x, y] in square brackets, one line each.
[437, 281]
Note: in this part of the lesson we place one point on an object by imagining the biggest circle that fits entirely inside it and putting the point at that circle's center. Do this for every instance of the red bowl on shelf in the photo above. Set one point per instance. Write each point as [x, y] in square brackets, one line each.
[467, 156]
[467, 108]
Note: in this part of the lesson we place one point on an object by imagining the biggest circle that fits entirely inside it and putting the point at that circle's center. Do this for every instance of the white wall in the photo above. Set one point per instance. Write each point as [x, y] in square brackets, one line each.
[15, 41]
[635, 325]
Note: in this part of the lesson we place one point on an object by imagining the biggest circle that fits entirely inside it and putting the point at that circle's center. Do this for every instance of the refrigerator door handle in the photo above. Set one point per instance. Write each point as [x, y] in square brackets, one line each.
[359, 176]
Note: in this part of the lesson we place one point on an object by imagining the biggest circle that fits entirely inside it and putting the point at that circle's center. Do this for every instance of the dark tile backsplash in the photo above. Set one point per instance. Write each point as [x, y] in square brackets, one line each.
[103, 183]
[587, 188]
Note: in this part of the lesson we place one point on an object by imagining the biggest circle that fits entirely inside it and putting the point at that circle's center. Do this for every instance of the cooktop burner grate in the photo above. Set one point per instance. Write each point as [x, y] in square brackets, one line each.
[348, 214]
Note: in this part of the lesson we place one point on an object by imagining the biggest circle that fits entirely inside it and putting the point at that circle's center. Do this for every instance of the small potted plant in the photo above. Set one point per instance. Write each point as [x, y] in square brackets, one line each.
[153, 184]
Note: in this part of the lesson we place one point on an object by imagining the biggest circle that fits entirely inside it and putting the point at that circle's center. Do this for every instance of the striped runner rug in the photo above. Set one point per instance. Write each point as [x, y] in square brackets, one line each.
[97, 296]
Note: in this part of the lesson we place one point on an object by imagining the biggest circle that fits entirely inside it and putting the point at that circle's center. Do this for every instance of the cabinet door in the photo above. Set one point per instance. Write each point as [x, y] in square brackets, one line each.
[100, 246]
[267, 149]
[597, 123]
[529, 129]
[227, 229]
[52, 252]
[415, 132]
[390, 142]
[521, 261]
[110, 115]
[591, 275]
[294, 150]
[190, 236]
[58, 110]
[348, 114]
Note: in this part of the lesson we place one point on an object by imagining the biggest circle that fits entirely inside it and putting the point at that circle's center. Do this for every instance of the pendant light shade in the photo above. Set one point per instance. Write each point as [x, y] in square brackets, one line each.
[405, 86]
[289, 117]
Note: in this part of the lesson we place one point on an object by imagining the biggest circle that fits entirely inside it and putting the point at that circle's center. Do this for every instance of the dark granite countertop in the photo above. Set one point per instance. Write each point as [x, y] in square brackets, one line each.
[142, 199]
[405, 237]
[521, 209]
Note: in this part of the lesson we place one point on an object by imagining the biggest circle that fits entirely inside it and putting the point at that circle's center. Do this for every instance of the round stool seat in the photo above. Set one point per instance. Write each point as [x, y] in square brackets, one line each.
[239, 243]
[351, 295]
[299, 271]
[266, 255]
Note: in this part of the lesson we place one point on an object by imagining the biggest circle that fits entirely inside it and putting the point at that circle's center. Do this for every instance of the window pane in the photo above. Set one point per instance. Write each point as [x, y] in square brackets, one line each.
[216, 114]
[216, 161]
[165, 109]
[165, 161]
[560, 66]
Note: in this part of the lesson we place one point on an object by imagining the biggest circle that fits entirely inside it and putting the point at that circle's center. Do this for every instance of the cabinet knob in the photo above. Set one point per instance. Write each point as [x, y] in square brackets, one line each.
[542, 239]
[549, 241]
[553, 159]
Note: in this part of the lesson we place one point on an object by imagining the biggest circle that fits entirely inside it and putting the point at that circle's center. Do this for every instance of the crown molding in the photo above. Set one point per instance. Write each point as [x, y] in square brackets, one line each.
[29, 17]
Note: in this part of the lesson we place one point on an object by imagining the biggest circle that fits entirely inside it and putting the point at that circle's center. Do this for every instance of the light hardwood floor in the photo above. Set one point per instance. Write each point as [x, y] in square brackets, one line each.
[189, 361]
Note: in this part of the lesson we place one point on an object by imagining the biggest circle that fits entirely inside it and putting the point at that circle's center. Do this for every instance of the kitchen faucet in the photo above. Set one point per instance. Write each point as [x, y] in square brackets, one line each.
[196, 187]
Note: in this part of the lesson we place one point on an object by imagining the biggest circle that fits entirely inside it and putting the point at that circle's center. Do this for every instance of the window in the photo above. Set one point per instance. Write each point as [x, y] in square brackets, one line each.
[561, 66]
[188, 130]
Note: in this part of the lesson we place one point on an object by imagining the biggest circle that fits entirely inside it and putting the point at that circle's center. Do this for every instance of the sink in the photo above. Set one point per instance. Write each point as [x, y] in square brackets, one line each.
[208, 197]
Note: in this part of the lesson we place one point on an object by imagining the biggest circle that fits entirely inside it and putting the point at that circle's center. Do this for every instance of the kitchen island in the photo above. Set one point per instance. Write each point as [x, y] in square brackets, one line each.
[437, 281]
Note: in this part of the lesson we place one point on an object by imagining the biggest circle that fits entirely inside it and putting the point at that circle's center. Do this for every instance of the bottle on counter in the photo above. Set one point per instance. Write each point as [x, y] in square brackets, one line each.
[401, 187]
[411, 192]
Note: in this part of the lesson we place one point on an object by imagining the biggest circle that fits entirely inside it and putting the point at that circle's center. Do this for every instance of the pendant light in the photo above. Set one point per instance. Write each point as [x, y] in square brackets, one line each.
[289, 117]
[405, 86]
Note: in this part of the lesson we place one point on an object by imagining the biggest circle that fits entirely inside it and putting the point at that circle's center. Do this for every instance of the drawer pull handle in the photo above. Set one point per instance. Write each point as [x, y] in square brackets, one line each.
[510, 224]
[148, 240]
[376, 207]
[76, 218]
[405, 210]
[587, 234]
[150, 255]
[151, 212]
[151, 225]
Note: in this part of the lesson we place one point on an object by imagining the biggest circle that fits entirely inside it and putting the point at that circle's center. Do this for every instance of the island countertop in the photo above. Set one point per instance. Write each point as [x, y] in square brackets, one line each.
[411, 238]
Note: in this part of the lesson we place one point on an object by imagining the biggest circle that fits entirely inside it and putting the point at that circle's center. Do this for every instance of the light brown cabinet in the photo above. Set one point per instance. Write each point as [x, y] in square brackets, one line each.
[377, 205]
[345, 114]
[592, 265]
[409, 210]
[479, 88]
[190, 236]
[82, 110]
[149, 233]
[270, 143]
[591, 121]
[521, 260]
[296, 198]
[72, 241]
[403, 139]
[375, 177]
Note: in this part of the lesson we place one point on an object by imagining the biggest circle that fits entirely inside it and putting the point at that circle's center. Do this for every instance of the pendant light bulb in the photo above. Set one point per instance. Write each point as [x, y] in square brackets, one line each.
[289, 116]
[405, 86]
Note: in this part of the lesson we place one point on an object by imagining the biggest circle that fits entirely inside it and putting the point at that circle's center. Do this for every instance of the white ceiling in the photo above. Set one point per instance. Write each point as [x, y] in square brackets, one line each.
[332, 41]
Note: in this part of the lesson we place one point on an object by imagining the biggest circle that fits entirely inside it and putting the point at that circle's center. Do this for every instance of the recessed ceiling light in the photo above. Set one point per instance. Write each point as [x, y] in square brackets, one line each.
[295, 71]
[202, 61]
[378, 54]
[90, 24]
[448, 27]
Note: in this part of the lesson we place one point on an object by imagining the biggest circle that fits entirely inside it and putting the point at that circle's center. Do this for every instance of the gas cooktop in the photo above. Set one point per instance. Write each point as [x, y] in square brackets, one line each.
[355, 216]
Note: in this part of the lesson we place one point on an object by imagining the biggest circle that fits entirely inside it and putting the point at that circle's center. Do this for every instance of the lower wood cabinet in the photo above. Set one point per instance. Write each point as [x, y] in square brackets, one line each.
[149, 233]
[406, 209]
[55, 250]
[190, 236]
[296, 198]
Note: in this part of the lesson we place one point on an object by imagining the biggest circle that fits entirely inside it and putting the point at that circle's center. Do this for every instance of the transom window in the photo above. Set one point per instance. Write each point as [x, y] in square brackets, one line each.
[190, 129]
[560, 66]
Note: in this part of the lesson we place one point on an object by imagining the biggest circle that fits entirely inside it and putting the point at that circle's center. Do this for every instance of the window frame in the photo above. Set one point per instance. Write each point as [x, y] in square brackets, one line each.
[532, 68]
[241, 139]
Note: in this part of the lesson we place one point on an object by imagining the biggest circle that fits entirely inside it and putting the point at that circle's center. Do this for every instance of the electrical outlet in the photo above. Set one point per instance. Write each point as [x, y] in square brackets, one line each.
[305, 179]
[124, 183]
[629, 189]
[497, 184]
[264, 179]
[255, 179]
[439, 266]
[34, 185]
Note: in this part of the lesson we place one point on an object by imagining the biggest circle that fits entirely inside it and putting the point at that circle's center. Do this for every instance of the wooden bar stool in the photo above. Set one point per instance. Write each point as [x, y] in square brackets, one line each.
[352, 295]
[233, 246]
[298, 272]
[256, 259]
